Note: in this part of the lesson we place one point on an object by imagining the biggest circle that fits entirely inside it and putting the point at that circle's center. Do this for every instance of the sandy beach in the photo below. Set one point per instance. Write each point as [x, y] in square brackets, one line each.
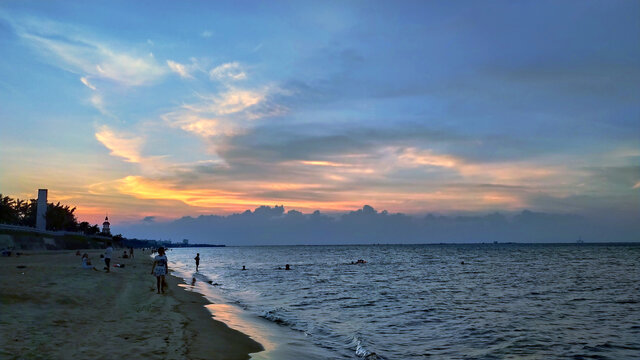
[51, 308]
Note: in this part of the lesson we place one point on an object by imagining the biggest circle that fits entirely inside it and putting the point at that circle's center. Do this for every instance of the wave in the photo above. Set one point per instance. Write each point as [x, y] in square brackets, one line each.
[361, 351]
[276, 316]
[282, 317]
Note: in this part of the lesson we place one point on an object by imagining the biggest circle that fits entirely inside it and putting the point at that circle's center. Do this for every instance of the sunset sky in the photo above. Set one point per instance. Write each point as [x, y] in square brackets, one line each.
[174, 108]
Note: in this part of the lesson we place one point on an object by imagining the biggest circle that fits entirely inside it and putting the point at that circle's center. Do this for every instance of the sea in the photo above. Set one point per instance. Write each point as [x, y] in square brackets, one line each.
[475, 301]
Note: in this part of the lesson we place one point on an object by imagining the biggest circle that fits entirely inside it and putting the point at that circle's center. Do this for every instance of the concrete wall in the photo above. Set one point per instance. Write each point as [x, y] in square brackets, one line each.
[41, 212]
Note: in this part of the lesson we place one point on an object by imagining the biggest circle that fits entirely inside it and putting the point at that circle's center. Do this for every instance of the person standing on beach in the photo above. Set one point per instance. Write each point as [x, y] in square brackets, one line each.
[197, 259]
[107, 256]
[160, 269]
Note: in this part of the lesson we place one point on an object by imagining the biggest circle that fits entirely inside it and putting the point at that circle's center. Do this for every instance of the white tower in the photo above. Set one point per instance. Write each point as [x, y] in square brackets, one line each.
[105, 226]
[41, 210]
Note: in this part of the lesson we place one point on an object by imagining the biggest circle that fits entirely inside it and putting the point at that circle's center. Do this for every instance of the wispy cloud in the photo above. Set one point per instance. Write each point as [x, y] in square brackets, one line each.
[229, 71]
[76, 50]
[145, 188]
[219, 114]
[427, 158]
[129, 147]
[202, 127]
[86, 82]
[206, 34]
[121, 145]
[180, 69]
[257, 47]
[501, 173]
[323, 163]
[98, 102]
[232, 101]
[196, 124]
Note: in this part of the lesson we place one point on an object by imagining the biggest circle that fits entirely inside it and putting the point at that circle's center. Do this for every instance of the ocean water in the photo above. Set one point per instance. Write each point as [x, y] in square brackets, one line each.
[486, 301]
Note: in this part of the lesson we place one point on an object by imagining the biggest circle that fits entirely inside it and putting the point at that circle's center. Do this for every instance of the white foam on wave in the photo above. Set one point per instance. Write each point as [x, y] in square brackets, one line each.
[362, 352]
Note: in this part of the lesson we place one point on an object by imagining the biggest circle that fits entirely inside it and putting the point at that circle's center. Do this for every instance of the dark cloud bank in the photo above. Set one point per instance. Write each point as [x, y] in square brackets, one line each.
[273, 226]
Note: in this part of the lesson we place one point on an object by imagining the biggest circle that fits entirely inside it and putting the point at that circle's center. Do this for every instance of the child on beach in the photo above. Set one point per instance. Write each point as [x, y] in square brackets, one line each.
[86, 263]
[160, 269]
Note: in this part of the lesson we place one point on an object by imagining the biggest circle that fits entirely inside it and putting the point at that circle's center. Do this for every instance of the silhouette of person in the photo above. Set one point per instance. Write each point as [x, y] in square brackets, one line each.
[107, 256]
[197, 259]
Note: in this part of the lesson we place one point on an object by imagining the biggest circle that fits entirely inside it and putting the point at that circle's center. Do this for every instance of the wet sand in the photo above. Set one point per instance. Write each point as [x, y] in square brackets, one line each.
[54, 309]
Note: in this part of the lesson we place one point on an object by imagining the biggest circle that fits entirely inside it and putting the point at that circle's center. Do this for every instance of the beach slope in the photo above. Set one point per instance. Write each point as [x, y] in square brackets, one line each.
[52, 308]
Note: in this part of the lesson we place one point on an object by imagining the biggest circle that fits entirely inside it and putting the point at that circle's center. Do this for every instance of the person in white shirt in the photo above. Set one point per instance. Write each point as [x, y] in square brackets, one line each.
[107, 256]
[160, 269]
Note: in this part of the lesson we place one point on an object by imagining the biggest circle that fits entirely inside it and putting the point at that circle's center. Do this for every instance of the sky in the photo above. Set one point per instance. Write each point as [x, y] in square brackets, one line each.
[163, 109]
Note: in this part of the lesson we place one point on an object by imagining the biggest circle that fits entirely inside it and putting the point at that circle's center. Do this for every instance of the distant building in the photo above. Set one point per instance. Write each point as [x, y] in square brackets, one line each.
[41, 210]
[105, 226]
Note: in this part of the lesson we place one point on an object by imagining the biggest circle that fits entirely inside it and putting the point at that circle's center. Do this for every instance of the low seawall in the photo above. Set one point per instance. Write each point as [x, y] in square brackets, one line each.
[25, 238]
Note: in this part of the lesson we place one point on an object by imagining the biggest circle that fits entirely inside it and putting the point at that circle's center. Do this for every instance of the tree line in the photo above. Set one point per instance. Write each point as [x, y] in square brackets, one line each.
[59, 217]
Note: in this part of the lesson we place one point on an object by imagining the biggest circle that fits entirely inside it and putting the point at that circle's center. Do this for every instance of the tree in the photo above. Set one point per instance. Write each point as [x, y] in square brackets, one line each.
[83, 227]
[8, 213]
[93, 230]
[27, 212]
[61, 217]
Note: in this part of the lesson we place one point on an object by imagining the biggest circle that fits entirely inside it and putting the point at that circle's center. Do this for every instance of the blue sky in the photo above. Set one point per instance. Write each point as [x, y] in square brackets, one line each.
[169, 109]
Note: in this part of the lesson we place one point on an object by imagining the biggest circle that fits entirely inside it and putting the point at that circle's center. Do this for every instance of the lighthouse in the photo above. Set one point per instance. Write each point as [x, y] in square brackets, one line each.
[105, 226]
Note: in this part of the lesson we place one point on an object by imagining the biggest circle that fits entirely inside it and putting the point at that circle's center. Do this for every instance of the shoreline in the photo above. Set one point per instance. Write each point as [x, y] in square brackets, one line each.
[54, 308]
[203, 327]
[278, 340]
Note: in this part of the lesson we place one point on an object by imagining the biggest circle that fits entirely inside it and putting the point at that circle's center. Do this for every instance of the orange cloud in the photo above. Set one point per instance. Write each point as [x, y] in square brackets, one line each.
[200, 126]
[224, 200]
[428, 158]
[502, 172]
[287, 186]
[323, 163]
[503, 200]
[148, 189]
[122, 146]
[240, 200]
